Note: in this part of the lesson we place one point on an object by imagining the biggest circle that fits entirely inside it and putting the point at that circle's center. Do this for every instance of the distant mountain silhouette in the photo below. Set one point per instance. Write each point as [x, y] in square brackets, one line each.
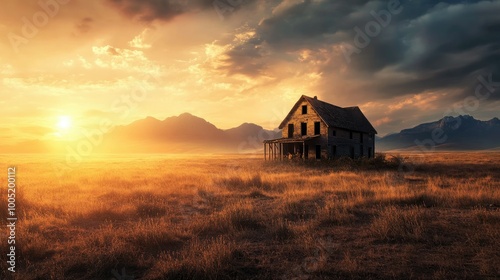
[184, 133]
[185, 127]
[244, 131]
[449, 133]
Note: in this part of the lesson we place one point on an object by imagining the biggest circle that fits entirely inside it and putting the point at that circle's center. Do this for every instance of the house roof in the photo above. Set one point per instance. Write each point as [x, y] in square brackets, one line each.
[350, 118]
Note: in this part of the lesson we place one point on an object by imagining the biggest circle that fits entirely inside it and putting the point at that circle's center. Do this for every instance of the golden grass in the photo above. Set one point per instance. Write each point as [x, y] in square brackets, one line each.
[396, 223]
[242, 218]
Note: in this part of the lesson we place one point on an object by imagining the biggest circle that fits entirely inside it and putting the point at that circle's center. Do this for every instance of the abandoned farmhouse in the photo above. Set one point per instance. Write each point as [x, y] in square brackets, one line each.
[318, 130]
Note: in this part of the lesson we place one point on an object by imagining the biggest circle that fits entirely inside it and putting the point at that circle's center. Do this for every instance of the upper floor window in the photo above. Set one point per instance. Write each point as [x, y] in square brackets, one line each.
[303, 129]
[334, 132]
[317, 129]
[304, 109]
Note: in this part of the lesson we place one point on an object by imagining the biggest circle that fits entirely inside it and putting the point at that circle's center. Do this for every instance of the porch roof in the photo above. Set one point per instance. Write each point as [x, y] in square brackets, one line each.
[291, 140]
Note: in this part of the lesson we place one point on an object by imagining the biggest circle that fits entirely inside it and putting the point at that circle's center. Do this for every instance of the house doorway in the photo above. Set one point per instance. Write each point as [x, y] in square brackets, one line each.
[318, 151]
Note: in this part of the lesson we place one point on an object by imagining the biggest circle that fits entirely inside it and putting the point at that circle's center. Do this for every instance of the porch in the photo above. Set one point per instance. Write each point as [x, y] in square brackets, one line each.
[287, 148]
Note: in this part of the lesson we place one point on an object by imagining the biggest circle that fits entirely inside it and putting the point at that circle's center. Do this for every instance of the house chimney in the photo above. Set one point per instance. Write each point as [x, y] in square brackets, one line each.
[315, 97]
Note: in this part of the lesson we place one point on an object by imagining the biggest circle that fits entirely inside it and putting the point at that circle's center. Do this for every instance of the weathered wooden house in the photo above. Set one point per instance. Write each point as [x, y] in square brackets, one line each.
[318, 130]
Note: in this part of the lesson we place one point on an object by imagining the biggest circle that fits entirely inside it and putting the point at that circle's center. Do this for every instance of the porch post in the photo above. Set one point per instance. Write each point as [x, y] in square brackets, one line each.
[304, 150]
[281, 151]
[265, 144]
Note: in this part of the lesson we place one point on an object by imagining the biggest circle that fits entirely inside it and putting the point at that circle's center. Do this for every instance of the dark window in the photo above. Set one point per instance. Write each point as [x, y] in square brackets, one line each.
[334, 132]
[318, 151]
[334, 151]
[304, 109]
[306, 152]
[303, 129]
[350, 135]
[290, 130]
[317, 128]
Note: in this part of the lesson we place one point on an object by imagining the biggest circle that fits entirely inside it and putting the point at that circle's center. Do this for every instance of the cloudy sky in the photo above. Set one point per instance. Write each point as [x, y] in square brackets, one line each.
[76, 63]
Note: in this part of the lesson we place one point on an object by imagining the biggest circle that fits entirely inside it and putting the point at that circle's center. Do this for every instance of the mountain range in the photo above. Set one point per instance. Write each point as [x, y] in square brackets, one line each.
[187, 133]
[463, 132]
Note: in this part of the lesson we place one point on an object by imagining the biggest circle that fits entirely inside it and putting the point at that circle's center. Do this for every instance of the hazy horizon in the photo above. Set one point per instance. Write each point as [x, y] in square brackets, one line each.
[196, 135]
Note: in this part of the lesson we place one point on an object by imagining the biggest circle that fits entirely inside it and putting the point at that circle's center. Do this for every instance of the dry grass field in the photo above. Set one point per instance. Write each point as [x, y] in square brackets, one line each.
[238, 217]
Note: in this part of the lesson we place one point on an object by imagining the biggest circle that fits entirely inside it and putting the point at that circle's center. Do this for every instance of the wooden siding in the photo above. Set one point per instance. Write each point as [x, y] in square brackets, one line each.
[343, 142]
[297, 118]
[310, 118]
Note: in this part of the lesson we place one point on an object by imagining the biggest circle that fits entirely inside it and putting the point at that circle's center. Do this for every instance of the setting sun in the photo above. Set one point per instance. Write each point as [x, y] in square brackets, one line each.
[64, 123]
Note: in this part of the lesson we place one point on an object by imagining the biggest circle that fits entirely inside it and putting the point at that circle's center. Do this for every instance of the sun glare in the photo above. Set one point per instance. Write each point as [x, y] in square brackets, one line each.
[64, 123]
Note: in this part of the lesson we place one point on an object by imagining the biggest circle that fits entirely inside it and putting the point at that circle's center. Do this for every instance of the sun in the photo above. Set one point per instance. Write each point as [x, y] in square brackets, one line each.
[64, 123]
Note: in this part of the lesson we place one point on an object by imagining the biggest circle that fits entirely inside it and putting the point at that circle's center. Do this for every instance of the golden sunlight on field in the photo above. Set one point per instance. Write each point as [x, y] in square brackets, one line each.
[241, 218]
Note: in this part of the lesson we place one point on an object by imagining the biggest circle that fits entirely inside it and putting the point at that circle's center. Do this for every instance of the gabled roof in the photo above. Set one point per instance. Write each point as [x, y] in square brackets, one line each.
[350, 118]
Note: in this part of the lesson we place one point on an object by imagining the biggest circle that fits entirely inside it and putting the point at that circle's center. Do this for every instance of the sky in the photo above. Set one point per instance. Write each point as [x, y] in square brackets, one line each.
[71, 64]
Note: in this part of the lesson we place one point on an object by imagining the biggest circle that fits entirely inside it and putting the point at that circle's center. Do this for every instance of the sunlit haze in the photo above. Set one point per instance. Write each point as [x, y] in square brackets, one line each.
[64, 123]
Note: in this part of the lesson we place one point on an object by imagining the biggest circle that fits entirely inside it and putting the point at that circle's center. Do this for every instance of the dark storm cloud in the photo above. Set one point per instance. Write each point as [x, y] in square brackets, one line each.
[427, 45]
[310, 24]
[150, 10]
[248, 59]
[447, 46]
[164, 10]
